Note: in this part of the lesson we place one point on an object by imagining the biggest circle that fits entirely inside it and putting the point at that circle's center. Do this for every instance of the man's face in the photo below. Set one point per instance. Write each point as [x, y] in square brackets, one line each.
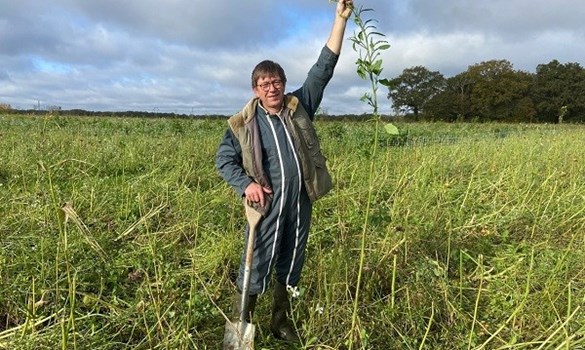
[270, 90]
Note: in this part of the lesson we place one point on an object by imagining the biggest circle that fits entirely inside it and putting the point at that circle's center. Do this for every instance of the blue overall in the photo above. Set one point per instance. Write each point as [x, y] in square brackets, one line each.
[281, 237]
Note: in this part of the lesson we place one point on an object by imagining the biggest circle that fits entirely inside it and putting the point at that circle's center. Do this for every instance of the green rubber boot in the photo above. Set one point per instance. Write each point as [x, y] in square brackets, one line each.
[281, 326]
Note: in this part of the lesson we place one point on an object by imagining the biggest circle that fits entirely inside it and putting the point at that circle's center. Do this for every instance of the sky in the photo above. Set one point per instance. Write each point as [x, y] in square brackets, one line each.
[196, 56]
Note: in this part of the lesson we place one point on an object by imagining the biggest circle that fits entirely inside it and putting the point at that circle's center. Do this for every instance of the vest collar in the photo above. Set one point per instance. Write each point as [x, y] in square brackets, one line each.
[249, 111]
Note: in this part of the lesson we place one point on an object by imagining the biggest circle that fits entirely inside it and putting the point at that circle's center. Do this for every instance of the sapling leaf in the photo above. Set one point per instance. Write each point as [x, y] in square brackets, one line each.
[366, 98]
[391, 129]
[361, 72]
[376, 68]
[385, 82]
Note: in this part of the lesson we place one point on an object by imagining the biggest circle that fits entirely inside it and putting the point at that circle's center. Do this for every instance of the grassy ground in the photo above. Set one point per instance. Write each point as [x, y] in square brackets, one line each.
[119, 234]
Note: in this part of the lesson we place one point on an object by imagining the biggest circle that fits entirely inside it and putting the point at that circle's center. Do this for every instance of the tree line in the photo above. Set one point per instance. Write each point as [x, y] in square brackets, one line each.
[492, 91]
[119, 114]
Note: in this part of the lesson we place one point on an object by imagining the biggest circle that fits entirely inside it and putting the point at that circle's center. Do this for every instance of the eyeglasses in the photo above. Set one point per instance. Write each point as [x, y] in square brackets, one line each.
[278, 84]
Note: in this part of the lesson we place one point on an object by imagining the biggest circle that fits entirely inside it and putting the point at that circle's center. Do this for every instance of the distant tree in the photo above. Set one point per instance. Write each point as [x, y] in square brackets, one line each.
[5, 107]
[499, 92]
[453, 103]
[487, 91]
[411, 90]
[559, 91]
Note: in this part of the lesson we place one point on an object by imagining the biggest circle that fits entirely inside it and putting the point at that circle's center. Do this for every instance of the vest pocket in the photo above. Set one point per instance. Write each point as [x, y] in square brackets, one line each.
[316, 176]
[321, 177]
[308, 133]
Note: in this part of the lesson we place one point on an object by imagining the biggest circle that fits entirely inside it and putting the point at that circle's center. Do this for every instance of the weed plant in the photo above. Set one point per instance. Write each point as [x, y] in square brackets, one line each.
[119, 234]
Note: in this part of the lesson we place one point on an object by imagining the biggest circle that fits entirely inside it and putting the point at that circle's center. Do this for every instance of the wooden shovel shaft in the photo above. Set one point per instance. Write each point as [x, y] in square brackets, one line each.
[253, 219]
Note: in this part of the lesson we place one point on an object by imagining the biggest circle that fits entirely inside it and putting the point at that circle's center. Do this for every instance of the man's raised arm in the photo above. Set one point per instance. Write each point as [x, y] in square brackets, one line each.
[342, 14]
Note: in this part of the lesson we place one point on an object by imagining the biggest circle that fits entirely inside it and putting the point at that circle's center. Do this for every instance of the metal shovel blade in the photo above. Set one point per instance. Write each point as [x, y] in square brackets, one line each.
[239, 336]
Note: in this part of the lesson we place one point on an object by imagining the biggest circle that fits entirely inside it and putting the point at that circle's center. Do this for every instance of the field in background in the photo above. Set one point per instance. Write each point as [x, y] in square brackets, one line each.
[119, 234]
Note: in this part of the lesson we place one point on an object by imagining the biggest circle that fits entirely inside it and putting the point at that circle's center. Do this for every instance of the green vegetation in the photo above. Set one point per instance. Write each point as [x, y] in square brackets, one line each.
[117, 233]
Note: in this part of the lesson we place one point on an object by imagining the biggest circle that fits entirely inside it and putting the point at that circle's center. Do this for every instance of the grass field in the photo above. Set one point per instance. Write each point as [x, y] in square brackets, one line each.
[119, 234]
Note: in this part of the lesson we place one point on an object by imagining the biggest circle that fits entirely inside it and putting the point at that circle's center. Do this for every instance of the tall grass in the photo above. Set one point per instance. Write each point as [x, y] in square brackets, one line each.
[119, 234]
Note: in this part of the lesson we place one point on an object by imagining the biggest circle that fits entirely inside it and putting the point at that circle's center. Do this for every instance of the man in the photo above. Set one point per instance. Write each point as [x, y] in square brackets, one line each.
[270, 155]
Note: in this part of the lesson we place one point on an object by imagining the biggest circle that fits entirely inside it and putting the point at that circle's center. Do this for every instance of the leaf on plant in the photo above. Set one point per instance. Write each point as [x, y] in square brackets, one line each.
[391, 129]
[376, 68]
[366, 97]
[385, 82]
